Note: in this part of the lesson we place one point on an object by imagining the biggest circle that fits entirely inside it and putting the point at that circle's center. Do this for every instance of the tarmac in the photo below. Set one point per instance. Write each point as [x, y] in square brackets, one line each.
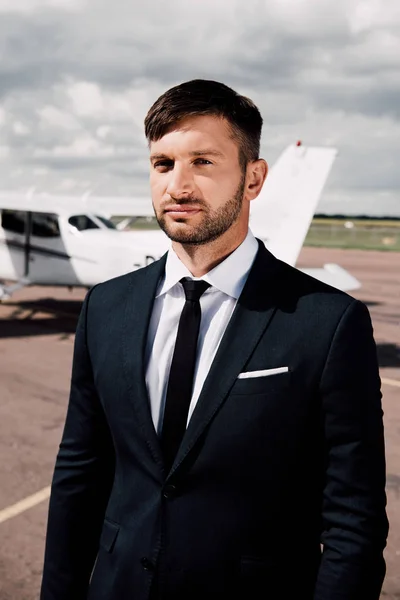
[37, 328]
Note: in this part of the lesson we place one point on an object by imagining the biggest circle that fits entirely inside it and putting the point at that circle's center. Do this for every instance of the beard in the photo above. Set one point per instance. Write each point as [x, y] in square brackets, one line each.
[214, 222]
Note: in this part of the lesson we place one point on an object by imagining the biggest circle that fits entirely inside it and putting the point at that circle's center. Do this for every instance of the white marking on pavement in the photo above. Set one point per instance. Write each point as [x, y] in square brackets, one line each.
[25, 504]
[392, 382]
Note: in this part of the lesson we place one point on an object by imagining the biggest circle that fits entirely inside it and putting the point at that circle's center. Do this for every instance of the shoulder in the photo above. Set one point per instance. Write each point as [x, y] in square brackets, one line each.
[302, 284]
[312, 299]
[291, 285]
[320, 313]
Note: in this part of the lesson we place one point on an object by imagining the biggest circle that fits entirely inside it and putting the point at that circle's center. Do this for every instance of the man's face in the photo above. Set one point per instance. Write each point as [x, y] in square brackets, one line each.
[196, 181]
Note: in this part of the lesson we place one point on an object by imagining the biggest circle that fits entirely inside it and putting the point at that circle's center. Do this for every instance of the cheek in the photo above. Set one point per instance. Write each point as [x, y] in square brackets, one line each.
[213, 187]
[217, 192]
[157, 188]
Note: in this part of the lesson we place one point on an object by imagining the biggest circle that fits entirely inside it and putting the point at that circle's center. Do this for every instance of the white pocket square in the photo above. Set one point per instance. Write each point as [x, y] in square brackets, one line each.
[263, 373]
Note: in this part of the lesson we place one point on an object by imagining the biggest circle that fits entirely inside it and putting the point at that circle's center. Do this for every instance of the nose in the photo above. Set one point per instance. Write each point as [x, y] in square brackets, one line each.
[180, 183]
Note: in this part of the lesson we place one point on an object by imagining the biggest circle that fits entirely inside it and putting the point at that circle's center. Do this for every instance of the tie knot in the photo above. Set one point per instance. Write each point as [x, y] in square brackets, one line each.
[194, 289]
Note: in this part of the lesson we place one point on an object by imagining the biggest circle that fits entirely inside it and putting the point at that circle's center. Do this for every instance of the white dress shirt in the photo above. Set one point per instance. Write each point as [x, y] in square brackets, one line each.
[217, 304]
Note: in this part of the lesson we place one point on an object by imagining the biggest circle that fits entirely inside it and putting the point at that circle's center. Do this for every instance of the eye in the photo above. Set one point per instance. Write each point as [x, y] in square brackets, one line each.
[202, 161]
[163, 164]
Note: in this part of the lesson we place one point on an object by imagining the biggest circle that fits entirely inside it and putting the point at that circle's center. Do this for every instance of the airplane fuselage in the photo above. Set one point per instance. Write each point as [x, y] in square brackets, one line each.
[48, 249]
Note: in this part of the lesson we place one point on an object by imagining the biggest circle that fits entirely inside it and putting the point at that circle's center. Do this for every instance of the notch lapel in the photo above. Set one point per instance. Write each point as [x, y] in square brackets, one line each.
[138, 310]
[252, 315]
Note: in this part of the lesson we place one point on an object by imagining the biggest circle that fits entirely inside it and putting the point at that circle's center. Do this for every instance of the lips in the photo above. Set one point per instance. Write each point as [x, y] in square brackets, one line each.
[181, 209]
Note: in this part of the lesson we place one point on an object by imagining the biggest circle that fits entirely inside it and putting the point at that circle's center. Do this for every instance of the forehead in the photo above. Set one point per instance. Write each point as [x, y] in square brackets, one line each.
[195, 133]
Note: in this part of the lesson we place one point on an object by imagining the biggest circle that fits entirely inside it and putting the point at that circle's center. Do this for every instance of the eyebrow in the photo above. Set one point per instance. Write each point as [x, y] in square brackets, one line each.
[208, 151]
[205, 152]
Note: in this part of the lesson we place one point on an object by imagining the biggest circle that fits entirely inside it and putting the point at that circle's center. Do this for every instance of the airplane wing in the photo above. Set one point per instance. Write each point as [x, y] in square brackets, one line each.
[121, 206]
[104, 205]
[18, 201]
[334, 275]
[282, 213]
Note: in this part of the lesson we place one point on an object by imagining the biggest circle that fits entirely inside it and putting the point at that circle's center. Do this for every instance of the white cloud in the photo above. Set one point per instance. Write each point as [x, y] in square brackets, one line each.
[41, 171]
[103, 131]
[29, 6]
[4, 152]
[55, 117]
[20, 128]
[82, 146]
[87, 99]
[68, 184]
[2, 116]
[130, 105]
[369, 14]
[18, 172]
[75, 89]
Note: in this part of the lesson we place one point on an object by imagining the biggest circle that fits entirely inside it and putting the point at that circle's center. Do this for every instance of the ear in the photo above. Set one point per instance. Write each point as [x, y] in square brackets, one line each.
[256, 174]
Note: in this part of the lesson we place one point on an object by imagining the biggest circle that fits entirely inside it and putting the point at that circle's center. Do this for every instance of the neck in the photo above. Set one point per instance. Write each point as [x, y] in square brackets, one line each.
[200, 259]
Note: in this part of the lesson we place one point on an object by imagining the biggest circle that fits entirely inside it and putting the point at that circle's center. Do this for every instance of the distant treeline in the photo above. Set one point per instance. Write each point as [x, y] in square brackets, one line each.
[340, 217]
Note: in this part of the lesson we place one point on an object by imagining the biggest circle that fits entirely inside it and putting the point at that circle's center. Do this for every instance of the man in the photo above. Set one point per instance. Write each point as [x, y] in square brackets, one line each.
[225, 421]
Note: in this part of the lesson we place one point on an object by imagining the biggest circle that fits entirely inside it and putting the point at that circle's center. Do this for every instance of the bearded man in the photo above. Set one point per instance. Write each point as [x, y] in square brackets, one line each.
[224, 433]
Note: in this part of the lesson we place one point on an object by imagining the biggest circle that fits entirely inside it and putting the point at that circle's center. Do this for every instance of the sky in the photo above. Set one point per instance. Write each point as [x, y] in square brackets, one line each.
[78, 76]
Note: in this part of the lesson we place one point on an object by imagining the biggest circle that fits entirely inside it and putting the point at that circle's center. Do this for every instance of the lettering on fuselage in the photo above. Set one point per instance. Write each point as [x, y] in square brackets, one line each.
[148, 259]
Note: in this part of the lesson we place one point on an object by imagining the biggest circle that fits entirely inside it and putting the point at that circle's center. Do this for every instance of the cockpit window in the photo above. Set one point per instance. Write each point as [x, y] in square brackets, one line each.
[109, 224]
[13, 220]
[82, 222]
[36, 223]
[45, 225]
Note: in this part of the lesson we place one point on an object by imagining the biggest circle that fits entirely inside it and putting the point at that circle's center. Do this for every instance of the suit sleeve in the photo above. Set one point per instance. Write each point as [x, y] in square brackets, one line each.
[81, 484]
[354, 516]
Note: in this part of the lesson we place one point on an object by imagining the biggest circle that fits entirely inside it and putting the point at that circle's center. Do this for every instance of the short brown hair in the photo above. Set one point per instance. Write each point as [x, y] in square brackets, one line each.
[205, 97]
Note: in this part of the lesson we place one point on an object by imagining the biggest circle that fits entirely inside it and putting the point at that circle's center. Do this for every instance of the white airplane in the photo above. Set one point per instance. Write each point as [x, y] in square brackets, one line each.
[67, 241]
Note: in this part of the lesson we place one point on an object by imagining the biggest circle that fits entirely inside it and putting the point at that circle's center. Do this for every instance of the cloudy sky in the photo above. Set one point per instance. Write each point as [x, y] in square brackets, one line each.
[78, 76]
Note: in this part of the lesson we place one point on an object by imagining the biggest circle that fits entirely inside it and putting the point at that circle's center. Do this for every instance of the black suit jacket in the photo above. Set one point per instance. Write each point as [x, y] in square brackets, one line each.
[269, 468]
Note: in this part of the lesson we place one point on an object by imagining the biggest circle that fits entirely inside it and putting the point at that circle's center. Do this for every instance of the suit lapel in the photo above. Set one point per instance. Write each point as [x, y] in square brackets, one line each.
[254, 311]
[139, 306]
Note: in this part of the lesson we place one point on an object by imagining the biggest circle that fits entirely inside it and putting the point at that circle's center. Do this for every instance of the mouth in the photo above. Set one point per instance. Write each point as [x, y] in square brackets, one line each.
[181, 210]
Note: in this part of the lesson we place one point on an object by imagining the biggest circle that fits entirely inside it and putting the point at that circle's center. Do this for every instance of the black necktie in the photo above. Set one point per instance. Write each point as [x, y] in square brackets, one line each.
[180, 382]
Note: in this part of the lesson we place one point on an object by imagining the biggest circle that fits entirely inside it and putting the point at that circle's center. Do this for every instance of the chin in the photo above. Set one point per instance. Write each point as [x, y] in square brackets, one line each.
[181, 236]
[179, 228]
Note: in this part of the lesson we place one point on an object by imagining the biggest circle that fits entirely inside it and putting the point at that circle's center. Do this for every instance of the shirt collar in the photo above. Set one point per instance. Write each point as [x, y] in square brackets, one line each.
[228, 277]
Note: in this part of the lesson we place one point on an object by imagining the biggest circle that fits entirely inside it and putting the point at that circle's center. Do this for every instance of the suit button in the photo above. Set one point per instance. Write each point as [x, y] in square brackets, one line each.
[146, 564]
[169, 491]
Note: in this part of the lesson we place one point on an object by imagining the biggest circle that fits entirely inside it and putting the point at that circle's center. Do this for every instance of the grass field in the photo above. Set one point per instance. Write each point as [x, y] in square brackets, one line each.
[367, 235]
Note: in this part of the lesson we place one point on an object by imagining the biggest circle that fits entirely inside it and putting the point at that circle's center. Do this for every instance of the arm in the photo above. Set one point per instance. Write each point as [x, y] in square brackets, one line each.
[82, 480]
[353, 514]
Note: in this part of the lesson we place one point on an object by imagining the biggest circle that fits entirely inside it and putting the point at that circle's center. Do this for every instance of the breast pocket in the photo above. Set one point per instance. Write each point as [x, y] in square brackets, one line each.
[262, 385]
